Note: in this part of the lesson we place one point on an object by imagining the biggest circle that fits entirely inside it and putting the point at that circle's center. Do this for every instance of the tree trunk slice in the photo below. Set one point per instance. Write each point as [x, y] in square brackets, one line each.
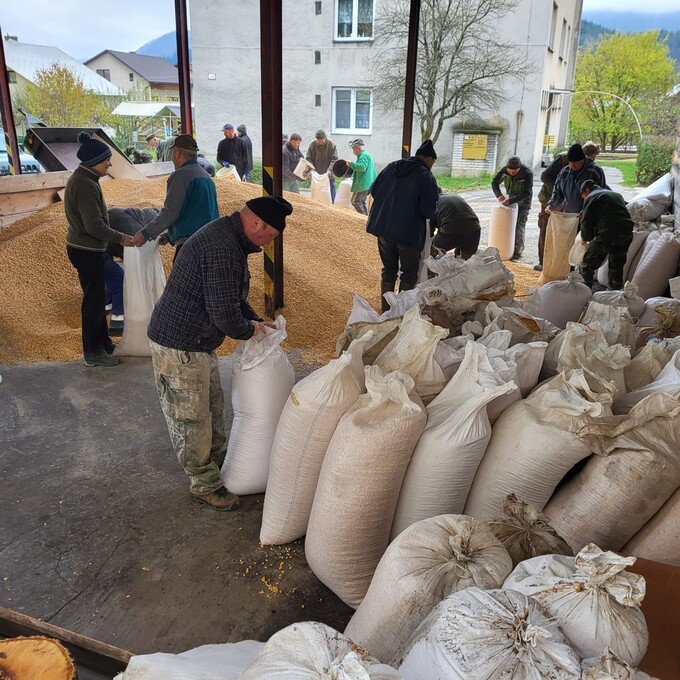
[26, 658]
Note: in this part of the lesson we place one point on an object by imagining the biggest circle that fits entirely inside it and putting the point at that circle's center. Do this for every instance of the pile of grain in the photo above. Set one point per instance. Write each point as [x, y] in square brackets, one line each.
[328, 257]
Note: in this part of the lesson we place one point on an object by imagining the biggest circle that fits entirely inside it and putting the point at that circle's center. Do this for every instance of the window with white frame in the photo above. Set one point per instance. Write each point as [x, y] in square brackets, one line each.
[553, 28]
[354, 19]
[352, 110]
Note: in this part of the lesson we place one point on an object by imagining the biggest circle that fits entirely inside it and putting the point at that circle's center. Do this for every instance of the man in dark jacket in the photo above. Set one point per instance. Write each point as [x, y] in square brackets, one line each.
[456, 225]
[518, 182]
[291, 157]
[566, 195]
[548, 177]
[607, 227]
[322, 153]
[404, 196]
[243, 136]
[232, 151]
[204, 301]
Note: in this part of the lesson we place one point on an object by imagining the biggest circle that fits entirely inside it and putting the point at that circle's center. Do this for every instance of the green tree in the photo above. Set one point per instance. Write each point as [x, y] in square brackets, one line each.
[60, 99]
[635, 67]
[462, 65]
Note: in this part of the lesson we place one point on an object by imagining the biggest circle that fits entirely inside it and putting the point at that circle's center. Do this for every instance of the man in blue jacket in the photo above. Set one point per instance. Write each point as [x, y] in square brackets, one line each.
[566, 196]
[190, 199]
[404, 196]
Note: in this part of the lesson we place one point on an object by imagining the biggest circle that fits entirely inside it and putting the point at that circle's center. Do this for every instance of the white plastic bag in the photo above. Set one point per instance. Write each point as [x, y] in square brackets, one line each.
[449, 450]
[487, 634]
[259, 366]
[595, 602]
[564, 300]
[351, 518]
[313, 651]
[309, 418]
[423, 565]
[321, 187]
[143, 284]
[578, 250]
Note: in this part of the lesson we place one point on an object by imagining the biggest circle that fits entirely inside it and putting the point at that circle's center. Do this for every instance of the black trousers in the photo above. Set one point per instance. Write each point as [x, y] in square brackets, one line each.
[466, 245]
[90, 267]
[520, 229]
[542, 229]
[597, 252]
[395, 257]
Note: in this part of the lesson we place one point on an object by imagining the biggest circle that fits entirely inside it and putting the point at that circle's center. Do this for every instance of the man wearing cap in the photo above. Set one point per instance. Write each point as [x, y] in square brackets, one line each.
[322, 153]
[607, 227]
[518, 182]
[87, 239]
[291, 156]
[232, 150]
[204, 301]
[363, 175]
[404, 196]
[566, 195]
[243, 136]
[190, 198]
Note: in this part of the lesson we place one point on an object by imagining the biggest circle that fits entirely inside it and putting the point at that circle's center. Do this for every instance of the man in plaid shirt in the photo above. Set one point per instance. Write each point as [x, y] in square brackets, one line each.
[204, 301]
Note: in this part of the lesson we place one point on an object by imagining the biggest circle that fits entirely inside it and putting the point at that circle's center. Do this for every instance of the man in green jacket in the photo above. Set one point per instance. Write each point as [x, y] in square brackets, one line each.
[363, 176]
[607, 227]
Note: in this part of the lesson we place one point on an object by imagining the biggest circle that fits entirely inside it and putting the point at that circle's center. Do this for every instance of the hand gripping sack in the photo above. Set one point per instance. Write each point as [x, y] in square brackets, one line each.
[449, 450]
[321, 187]
[313, 651]
[627, 297]
[659, 539]
[564, 300]
[143, 284]
[595, 602]
[534, 443]
[560, 235]
[422, 566]
[635, 472]
[525, 532]
[259, 367]
[488, 635]
[350, 522]
[307, 422]
[608, 666]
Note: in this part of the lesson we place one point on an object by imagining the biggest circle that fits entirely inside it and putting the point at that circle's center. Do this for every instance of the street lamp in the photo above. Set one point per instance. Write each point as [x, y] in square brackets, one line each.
[609, 94]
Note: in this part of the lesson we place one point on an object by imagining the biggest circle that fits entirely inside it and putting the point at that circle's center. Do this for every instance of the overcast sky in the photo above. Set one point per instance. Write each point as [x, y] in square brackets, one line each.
[83, 28]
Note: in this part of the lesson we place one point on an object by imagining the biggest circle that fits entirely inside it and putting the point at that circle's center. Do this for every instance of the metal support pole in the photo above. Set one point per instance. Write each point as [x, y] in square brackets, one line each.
[182, 32]
[271, 56]
[410, 81]
[13, 158]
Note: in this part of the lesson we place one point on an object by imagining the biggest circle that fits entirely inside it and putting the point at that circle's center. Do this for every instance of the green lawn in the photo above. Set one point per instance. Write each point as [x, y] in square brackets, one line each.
[454, 185]
[626, 167]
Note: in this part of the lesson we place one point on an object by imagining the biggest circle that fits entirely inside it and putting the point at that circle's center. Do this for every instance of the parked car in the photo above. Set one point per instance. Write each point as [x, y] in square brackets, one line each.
[28, 164]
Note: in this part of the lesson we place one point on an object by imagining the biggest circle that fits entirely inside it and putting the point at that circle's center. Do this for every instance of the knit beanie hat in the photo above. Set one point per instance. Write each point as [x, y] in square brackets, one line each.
[514, 163]
[426, 149]
[241, 128]
[91, 151]
[320, 134]
[271, 209]
[575, 153]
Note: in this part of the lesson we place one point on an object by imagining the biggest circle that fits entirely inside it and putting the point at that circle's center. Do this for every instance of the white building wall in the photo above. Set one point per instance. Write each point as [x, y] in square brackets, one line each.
[226, 75]
[120, 72]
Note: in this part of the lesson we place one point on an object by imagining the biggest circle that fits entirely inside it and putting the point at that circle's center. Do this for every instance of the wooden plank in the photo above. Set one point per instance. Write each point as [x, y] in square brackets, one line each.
[92, 653]
[27, 201]
[11, 184]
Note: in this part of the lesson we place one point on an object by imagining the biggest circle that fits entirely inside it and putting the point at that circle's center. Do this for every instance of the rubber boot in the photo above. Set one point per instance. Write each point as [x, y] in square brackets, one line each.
[385, 288]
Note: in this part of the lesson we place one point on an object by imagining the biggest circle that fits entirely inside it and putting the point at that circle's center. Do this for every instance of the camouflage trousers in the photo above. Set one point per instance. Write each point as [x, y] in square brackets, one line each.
[192, 401]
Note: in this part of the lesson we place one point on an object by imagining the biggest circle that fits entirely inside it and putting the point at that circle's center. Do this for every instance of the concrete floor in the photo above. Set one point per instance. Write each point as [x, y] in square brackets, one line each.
[100, 535]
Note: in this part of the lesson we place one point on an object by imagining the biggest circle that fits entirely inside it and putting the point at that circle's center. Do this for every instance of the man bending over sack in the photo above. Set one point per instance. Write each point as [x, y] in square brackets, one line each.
[607, 227]
[204, 301]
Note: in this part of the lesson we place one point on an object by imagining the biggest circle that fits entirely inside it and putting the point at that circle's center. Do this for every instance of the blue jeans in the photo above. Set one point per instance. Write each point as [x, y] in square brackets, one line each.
[113, 279]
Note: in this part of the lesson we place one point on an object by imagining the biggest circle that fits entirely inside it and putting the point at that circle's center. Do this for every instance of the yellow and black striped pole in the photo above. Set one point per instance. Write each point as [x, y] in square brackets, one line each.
[272, 107]
[13, 158]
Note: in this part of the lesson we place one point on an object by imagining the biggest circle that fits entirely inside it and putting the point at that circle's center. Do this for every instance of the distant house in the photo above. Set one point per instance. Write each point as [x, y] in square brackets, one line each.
[154, 78]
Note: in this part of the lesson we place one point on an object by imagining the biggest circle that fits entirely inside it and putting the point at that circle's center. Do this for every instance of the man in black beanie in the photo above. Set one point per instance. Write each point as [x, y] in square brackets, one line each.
[205, 300]
[404, 196]
[566, 195]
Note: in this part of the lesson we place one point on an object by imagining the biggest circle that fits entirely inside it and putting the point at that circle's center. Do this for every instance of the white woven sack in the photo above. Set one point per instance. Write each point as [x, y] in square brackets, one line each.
[577, 252]
[449, 353]
[667, 381]
[307, 422]
[610, 363]
[560, 236]
[657, 266]
[525, 532]
[143, 284]
[649, 317]
[636, 471]
[207, 662]
[595, 602]
[659, 539]
[343, 197]
[608, 666]
[259, 366]
[646, 366]
[400, 303]
[627, 297]
[351, 518]
[449, 450]
[313, 651]
[634, 250]
[533, 444]
[321, 187]
[427, 562]
[412, 352]
[563, 301]
[487, 634]
[653, 201]
[615, 322]
[570, 348]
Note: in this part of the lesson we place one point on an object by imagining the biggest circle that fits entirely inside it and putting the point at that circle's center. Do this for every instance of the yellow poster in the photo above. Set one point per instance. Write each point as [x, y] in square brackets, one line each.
[474, 147]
